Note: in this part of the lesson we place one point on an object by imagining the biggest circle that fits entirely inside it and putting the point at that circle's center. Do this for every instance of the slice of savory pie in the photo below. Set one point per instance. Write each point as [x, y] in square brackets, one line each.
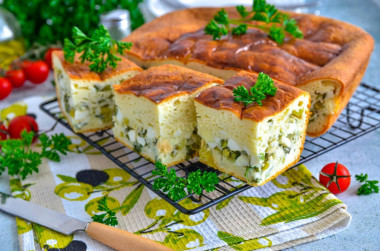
[329, 62]
[253, 143]
[156, 114]
[85, 97]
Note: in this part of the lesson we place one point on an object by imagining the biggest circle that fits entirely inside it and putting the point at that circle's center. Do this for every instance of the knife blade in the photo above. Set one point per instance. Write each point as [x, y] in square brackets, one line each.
[110, 236]
[43, 216]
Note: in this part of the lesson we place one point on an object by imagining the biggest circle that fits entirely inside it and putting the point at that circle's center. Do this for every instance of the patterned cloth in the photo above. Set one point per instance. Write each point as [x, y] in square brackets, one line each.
[292, 209]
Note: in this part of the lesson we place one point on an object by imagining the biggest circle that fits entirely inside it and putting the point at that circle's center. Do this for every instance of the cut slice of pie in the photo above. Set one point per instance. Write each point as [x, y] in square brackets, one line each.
[156, 114]
[254, 143]
[85, 97]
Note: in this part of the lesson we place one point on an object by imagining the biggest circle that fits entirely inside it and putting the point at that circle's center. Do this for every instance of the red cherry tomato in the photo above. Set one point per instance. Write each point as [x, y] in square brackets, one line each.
[18, 124]
[17, 77]
[25, 64]
[335, 177]
[47, 58]
[5, 88]
[37, 72]
[3, 132]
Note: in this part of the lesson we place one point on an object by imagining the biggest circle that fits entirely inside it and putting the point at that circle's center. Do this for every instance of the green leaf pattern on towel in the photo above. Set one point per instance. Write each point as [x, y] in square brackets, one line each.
[239, 243]
[165, 217]
[73, 190]
[131, 200]
[301, 198]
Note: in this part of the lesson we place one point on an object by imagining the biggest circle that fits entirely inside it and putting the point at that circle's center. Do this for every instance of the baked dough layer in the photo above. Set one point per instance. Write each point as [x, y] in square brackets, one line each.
[328, 63]
[156, 115]
[253, 143]
[85, 97]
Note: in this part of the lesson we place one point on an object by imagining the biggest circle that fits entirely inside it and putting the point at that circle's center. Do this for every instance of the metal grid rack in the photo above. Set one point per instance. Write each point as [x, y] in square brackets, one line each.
[361, 116]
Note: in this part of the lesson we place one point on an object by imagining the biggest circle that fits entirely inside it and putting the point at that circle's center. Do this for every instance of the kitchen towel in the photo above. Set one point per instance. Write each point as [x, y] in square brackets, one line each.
[290, 210]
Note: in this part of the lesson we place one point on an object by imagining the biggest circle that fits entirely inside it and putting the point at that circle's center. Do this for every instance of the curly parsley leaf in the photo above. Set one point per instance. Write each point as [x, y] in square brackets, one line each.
[216, 30]
[58, 143]
[239, 30]
[178, 187]
[263, 11]
[361, 177]
[99, 49]
[277, 34]
[369, 186]
[221, 17]
[276, 24]
[17, 157]
[241, 94]
[264, 86]
[108, 217]
[291, 27]
[242, 11]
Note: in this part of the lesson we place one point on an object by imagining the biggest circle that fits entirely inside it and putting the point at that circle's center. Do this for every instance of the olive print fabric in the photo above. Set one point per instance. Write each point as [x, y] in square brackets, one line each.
[292, 209]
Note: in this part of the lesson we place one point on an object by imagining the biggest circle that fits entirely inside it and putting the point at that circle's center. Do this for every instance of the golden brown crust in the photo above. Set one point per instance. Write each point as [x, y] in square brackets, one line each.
[331, 50]
[165, 81]
[327, 43]
[221, 97]
[82, 71]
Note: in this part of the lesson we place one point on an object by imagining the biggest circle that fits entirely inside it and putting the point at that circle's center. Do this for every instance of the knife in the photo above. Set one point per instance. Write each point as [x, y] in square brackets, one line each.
[113, 237]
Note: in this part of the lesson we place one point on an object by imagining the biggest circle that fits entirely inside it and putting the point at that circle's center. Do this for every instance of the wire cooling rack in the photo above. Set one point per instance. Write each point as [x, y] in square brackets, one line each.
[361, 116]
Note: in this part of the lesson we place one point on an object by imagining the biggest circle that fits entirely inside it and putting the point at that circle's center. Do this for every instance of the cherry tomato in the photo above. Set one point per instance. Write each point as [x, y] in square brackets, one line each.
[25, 64]
[18, 124]
[3, 132]
[17, 77]
[48, 58]
[5, 88]
[335, 177]
[36, 72]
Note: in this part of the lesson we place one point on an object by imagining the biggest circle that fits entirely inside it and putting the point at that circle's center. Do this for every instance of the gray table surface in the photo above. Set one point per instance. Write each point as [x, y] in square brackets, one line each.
[360, 155]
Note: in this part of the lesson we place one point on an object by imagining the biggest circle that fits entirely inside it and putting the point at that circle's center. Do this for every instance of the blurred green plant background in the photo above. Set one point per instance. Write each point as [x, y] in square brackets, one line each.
[50, 21]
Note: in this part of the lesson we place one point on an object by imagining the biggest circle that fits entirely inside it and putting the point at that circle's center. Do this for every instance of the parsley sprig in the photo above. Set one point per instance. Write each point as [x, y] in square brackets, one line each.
[275, 23]
[108, 217]
[369, 186]
[178, 187]
[264, 86]
[19, 159]
[57, 143]
[99, 49]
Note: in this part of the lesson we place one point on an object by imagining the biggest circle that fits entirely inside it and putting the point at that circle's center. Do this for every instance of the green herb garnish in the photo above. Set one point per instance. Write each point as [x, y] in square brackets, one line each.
[369, 186]
[57, 143]
[275, 23]
[196, 182]
[99, 49]
[264, 86]
[108, 217]
[17, 156]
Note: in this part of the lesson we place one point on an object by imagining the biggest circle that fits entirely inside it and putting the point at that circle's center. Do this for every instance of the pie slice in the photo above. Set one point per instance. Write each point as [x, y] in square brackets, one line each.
[156, 114]
[85, 97]
[254, 143]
